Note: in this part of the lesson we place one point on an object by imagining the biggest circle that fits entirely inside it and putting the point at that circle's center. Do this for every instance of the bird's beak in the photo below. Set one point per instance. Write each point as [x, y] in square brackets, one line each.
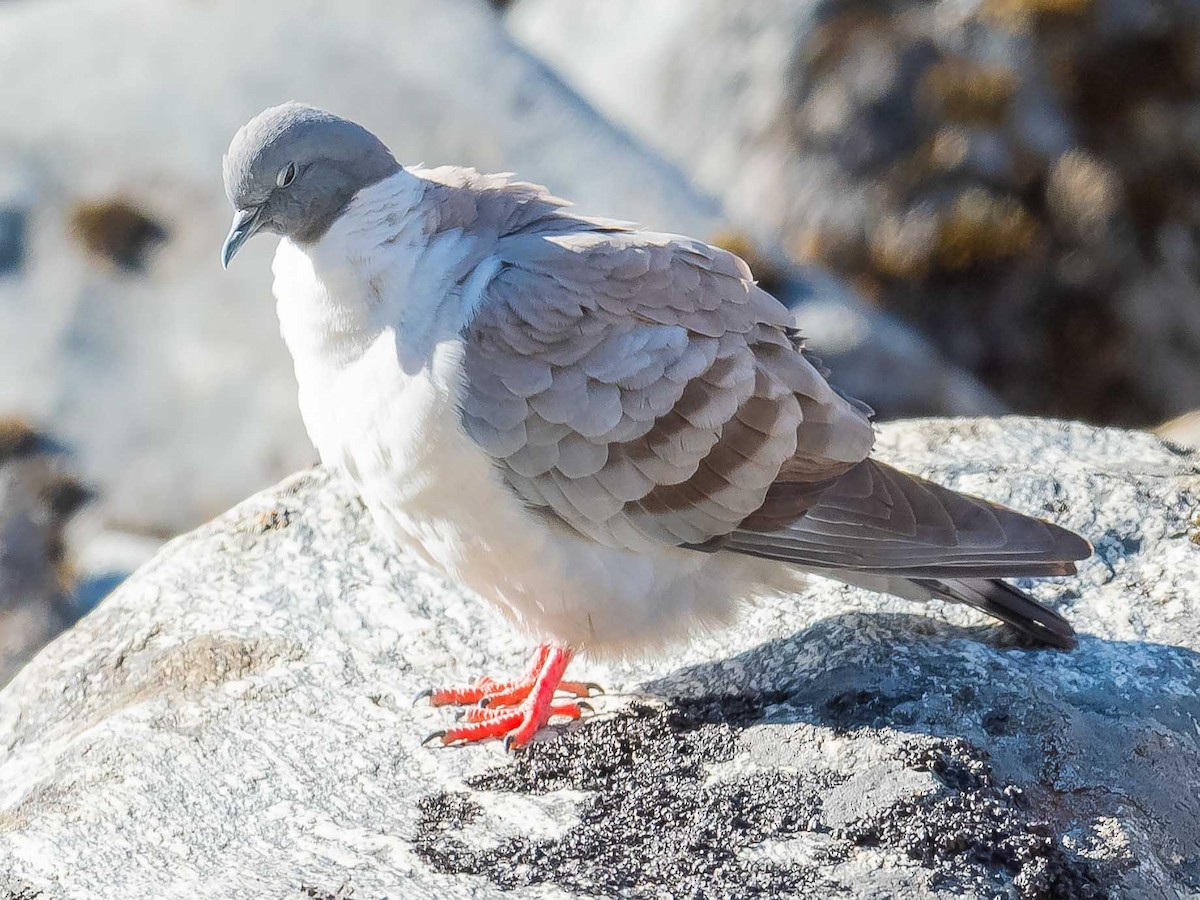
[245, 224]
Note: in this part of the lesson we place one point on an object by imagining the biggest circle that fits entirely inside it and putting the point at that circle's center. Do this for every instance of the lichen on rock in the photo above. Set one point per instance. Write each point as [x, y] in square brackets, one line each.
[236, 720]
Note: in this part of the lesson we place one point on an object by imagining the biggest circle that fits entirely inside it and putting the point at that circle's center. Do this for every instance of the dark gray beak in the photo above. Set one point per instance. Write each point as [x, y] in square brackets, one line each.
[245, 224]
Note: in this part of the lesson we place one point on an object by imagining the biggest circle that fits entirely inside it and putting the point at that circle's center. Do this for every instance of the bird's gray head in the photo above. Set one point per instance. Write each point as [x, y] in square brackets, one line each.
[293, 168]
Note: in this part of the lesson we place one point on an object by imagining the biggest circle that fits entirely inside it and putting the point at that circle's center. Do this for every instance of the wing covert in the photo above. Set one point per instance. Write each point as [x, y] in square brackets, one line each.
[642, 389]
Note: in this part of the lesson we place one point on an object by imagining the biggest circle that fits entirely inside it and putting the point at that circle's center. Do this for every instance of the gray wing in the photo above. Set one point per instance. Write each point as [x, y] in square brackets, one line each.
[641, 389]
[877, 519]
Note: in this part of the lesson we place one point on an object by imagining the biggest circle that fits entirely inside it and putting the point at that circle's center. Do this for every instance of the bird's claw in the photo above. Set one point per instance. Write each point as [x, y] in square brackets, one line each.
[513, 709]
[423, 695]
[431, 737]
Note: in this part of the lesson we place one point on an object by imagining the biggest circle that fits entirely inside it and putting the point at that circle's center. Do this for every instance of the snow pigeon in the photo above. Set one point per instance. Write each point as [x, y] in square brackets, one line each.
[612, 434]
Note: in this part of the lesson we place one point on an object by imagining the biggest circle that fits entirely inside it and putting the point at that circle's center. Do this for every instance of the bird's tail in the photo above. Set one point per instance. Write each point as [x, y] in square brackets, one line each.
[883, 529]
[1008, 604]
[990, 595]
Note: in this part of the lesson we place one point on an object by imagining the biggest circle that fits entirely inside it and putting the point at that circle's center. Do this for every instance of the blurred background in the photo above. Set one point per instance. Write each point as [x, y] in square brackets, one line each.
[975, 207]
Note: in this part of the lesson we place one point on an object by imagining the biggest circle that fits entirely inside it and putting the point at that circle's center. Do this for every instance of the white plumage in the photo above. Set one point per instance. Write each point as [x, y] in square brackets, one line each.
[373, 316]
[612, 434]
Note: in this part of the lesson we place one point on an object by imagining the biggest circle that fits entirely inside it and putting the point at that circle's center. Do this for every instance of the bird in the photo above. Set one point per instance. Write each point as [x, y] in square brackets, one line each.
[610, 433]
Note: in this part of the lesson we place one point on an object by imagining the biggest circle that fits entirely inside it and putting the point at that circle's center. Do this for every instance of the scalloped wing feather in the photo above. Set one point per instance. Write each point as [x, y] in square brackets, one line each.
[641, 388]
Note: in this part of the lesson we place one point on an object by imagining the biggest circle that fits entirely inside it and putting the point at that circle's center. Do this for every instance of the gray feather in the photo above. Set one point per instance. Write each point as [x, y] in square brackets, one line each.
[876, 518]
[641, 390]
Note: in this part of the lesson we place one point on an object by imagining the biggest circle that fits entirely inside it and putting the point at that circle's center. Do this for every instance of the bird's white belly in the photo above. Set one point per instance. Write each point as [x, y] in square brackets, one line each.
[397, 437]
[432, 490]
[429, 487]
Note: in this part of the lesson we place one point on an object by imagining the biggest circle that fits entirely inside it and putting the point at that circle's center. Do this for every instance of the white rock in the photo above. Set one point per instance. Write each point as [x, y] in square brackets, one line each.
[235, 721]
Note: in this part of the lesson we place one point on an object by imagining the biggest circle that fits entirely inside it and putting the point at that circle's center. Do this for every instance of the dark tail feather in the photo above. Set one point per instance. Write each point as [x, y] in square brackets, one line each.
[1006, 603]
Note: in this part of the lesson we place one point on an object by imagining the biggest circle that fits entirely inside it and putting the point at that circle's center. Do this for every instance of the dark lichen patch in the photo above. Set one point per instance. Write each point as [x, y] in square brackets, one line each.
[654, 822]
[861, 709]
[64, 495]
[25, 892]
[448, 811]
[962, 90]
[975, 822]
[117, 231]
[17, 438]
[1116, 546]
[998, 722]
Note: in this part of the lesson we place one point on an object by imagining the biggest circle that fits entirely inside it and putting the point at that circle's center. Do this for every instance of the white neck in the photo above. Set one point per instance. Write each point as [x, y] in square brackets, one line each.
[376, 270]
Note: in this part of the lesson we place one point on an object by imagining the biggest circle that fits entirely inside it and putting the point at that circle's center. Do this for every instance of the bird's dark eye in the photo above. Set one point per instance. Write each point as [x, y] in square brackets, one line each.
[286, 174]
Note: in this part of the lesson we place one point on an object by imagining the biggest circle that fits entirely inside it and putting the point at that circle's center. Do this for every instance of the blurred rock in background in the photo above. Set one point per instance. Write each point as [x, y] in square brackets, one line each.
[1018, 178]
[166, 376]
[37, 500]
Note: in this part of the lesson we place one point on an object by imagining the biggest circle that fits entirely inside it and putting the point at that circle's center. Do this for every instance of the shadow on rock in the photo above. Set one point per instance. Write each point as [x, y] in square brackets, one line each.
[866, 757]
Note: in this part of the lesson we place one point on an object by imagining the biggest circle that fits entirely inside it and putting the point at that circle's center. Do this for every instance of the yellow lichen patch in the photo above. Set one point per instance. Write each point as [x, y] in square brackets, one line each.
[948, 150]
[902, 246]
[736, 243]
[830, 40]
[966, 91]
[870, 289]
[1083, 192]
[116, 231]
[766, 273]
[980, 227]
[829, 244]
[1021, 14]
[808, 245]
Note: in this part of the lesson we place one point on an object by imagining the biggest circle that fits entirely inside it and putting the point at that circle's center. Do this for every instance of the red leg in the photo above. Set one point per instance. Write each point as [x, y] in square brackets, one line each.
[571, 710]
[517, 709]
[487, 687]
[512, 693]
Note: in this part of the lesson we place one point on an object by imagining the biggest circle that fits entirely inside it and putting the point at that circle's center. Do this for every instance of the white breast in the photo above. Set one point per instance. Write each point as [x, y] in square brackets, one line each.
[381, 402]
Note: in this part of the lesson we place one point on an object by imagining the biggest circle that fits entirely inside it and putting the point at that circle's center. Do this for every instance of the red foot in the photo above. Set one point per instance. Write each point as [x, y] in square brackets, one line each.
[514, 709]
